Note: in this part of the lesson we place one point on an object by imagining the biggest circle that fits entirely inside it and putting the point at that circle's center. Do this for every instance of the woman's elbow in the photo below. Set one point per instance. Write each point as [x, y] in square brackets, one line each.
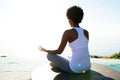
[59, 51]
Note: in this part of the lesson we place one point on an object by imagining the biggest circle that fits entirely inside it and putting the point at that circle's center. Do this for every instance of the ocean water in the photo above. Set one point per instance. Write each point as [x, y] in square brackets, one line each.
[114, 66]
[10, 64]
[111, 63]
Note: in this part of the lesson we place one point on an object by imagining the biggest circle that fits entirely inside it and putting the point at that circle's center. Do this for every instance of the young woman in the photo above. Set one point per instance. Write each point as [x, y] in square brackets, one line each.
[78, 39]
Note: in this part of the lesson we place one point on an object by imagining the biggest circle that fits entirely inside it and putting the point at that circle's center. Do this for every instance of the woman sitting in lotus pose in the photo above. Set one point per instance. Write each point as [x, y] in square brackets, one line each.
[78, 39]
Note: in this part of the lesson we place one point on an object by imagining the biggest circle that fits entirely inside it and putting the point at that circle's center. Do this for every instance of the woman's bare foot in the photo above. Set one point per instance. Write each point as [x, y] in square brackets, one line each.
[53, 65]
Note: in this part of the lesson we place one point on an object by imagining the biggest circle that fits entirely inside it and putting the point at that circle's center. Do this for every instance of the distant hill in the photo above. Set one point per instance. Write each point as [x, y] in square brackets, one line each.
[114, 56]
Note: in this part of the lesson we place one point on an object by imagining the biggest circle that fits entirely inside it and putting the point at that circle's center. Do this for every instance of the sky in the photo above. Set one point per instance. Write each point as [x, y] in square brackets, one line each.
[26, 24]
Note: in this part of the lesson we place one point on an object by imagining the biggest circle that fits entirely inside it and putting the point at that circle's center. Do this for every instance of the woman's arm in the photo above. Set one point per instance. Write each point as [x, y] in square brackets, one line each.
[61, 46]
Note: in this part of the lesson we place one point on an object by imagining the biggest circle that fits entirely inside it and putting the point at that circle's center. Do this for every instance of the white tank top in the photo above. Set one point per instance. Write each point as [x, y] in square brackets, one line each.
[80, 60]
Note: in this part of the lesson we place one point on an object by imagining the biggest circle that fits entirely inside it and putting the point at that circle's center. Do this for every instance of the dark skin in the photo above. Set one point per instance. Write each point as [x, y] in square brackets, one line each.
[68, 36]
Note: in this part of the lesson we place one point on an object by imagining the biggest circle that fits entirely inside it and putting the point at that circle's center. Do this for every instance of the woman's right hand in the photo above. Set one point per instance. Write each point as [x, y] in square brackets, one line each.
[42, 49]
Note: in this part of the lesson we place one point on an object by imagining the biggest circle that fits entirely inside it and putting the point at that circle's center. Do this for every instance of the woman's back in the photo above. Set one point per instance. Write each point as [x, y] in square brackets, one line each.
[80, 60]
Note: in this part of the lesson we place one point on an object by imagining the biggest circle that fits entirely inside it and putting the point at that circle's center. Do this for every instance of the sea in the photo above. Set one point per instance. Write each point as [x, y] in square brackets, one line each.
[9, 64]
[12, 64]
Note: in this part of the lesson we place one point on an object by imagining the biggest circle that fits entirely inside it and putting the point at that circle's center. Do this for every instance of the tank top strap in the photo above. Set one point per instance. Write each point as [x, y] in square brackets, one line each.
[79, 31]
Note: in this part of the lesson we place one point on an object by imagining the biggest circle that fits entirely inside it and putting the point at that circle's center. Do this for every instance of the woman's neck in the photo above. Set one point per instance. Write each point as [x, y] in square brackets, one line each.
[76, 25]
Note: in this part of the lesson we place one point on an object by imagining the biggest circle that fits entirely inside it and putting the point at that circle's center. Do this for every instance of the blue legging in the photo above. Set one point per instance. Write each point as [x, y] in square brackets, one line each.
[61, 62]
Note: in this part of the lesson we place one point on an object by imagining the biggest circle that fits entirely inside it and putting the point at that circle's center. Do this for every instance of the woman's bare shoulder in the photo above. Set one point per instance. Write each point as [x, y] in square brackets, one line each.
[67, 33]
[69, 30]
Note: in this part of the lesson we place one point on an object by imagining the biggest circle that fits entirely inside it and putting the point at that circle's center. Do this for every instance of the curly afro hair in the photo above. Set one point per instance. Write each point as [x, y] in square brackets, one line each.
[75, 13]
